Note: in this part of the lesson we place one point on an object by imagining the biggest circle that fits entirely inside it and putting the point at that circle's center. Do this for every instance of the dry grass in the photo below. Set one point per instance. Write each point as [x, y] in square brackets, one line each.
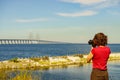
[23, 76]
[46, 62]
[18, 75]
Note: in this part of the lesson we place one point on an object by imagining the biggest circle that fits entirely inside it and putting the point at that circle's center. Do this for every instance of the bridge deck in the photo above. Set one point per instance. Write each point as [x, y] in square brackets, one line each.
[23, 41]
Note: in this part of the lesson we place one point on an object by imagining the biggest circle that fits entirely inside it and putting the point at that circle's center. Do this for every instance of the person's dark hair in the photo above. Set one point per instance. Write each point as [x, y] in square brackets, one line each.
[100, 39]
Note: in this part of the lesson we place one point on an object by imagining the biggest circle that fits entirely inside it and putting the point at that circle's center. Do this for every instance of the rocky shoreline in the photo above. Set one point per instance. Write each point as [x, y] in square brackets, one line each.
[47, 62]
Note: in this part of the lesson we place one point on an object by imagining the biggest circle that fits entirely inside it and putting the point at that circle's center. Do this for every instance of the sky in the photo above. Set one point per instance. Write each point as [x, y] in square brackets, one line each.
[75, 21]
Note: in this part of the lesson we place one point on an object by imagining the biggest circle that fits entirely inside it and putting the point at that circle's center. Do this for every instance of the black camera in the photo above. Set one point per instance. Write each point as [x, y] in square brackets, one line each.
[91, 42]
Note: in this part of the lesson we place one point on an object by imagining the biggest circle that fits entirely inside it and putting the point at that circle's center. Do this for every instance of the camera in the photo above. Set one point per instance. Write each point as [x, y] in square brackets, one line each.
[91, 42]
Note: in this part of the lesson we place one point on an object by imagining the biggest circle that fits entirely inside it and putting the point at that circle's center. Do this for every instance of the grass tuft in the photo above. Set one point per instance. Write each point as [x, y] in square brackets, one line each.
[14, 60]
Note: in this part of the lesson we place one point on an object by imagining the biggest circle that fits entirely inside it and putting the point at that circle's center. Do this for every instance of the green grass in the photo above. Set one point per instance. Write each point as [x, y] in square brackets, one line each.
[19, 75]
[23, 76]
[3, 75]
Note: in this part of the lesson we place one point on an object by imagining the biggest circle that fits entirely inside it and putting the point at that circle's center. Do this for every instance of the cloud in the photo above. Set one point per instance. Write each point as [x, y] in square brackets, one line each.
[85, 2]
[78, 14]
[31, 20]
[97, 3]
[92, 5]
[108, 3]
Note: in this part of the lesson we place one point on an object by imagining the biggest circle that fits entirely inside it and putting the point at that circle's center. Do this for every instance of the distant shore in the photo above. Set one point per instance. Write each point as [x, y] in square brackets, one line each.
[47, 62]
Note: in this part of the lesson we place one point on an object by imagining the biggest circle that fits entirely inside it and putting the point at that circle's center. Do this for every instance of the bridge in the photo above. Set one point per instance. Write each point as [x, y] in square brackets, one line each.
[25, 41]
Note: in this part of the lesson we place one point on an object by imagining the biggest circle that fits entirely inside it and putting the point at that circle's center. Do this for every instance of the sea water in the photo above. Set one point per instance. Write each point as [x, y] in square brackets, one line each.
[75, 72]
[34, 50]
[9, 51]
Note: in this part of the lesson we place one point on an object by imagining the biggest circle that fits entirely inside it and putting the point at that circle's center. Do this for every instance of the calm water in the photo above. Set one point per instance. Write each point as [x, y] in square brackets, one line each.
[79, 73]
[32, 50]
[65, 73]
[69, 73]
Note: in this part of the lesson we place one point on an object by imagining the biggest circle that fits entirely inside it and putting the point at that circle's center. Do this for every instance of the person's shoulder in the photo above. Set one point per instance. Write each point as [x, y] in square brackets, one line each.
[94, 48]
[107, 47]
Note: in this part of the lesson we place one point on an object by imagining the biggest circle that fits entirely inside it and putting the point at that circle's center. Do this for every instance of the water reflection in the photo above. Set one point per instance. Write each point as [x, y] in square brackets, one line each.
[73, 72]
[114, 70]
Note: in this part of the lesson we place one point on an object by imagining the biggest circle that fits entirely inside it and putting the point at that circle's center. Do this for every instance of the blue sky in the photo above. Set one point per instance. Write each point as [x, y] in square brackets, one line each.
[73, 21]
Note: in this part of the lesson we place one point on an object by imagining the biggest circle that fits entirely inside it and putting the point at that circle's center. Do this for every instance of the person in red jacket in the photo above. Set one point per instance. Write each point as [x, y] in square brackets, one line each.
[99, 55]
